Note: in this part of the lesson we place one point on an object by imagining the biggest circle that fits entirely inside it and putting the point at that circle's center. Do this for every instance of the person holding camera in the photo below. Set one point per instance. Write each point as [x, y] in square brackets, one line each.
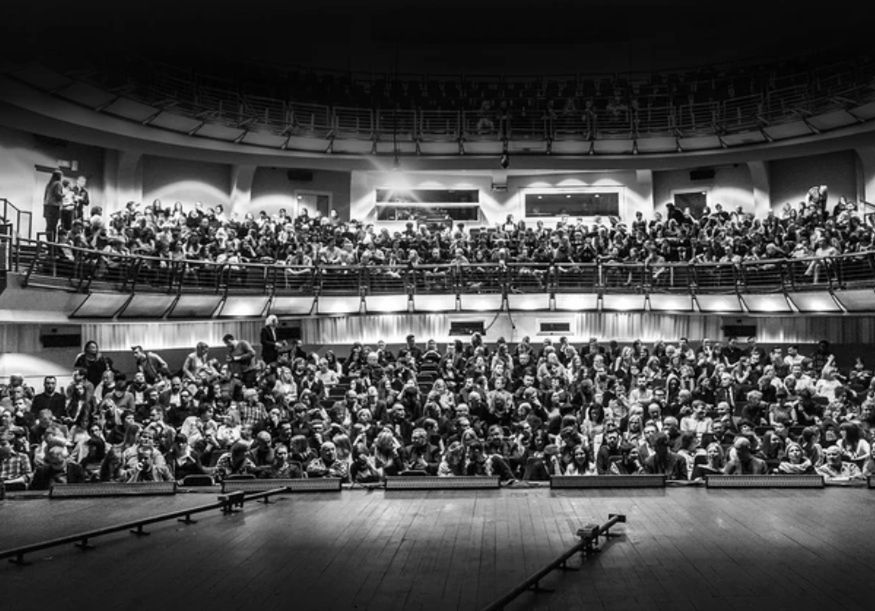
[145, 469]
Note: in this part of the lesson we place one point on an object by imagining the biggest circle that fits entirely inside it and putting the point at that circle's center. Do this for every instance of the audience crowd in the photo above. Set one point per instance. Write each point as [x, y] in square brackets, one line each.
[179, 240]
[522, 412]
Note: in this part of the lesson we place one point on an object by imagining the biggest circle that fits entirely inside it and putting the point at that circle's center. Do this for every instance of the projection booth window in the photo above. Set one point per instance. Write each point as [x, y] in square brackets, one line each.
[426, 205]
[601, 203]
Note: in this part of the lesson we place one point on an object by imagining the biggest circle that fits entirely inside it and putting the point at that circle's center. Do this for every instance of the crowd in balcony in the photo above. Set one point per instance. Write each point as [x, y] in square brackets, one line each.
[175, 238]
[712, 98]
[523, 413]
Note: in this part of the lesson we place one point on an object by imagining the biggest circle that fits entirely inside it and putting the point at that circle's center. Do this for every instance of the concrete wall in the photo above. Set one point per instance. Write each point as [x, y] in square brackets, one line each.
[731, 186]
[791, 178]
[187, 181]
[272, 190]
[22, 185]
[634, 188]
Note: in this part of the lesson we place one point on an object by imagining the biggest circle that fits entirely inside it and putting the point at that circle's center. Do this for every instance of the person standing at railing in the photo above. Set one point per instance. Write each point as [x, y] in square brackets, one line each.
[53, 199]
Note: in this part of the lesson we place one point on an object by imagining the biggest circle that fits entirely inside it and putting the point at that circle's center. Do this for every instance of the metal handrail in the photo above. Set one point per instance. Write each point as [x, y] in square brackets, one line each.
[204, 96]
[135, 273]
[588, 540]
[19, 213]
[227, 503]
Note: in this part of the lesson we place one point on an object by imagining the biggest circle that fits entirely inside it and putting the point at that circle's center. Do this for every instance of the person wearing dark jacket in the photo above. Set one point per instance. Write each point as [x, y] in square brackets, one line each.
[421, 455]
[49, 399]
[53, 199]
[57, 469]
[665, 462]
[270, 343]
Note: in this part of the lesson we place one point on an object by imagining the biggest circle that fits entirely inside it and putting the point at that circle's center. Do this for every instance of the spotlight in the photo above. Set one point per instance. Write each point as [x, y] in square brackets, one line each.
[504, 161]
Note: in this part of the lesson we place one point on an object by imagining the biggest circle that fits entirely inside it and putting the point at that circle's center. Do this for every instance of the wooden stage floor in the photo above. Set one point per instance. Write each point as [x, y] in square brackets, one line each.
[682, 548]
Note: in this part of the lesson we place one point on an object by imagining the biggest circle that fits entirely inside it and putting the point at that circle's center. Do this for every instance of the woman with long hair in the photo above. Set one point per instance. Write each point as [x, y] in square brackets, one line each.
[387, 456]
[855, 448]
[581, 462]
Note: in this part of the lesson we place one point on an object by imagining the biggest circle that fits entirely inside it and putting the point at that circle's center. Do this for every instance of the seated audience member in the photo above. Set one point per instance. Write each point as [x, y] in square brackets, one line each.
[420, 455]
[479, 463]
[327, 464]
[630, 462]
[93, 362]
[834, 469]
[855, 448]
[743, 462]
[868, 469]
[795, 462]
[362, 470]
[282, 467]
[145, 469]
[151, 365]
[665, 462]
[713, 464]
[57, 468]
[453, 463]
[14, 466]
[50, 398]
[234, 462]
[181, 460]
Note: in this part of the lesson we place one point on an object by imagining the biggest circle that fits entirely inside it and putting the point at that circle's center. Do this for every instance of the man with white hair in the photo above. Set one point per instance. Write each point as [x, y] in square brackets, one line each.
[270, 343]
[327, 465]
[835, 469]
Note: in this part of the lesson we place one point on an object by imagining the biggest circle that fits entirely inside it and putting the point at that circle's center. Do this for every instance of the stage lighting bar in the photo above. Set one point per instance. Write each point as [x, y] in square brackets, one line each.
[766, 303]
[433, 482]
[288, 306]
[861, 300]
[623, 303]
[147, 305]
[489, 302]
[814, 302]
[607, 481]
[69, 491]
[718, 303]
[670, 303]
[101, 305]
[386, 304]
[528, 302]
[577, 301]
[339, 305]
[434, 303]
[243, 307]
[316, 484]
[764, 481]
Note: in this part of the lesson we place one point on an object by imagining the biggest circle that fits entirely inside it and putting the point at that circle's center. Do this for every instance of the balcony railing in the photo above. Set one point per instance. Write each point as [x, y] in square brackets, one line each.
[450, 110]
[84, 270]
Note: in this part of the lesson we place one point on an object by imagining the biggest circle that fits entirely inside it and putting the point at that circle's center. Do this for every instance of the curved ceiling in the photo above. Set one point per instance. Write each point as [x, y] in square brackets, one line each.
[451, 36]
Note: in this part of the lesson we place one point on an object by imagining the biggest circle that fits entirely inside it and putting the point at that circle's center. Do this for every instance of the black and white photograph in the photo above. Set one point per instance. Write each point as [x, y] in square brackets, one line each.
[429, 306]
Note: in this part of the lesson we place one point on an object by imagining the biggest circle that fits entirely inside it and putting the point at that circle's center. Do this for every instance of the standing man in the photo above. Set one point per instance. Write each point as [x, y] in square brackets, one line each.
[49, 399]
[241, 359]
[270, 344]
[81, 198]
[53, 199]
[152, 366]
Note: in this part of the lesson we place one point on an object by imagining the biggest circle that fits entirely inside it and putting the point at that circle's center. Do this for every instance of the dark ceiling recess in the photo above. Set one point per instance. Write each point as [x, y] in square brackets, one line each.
[452, 37]
[702, 174]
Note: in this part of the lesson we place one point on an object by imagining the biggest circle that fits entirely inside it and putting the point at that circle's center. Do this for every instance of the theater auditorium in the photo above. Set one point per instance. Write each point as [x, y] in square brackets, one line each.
[470, 305]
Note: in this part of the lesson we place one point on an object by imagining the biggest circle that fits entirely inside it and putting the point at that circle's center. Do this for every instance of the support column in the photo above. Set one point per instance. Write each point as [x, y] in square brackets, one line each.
[759, 178]
[645, 192]
[241, 188]
[866, 176]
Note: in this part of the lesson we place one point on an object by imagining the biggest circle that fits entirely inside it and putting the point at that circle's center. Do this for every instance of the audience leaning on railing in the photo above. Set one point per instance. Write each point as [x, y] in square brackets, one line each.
[522, 413]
